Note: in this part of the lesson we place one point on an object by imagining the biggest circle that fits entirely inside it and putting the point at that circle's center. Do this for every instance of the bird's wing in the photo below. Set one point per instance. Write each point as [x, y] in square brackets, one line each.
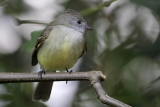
[39, 43]
[84, 49]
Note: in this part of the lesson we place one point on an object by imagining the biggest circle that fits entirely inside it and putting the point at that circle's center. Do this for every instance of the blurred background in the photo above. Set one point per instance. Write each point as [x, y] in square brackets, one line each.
[124, 45]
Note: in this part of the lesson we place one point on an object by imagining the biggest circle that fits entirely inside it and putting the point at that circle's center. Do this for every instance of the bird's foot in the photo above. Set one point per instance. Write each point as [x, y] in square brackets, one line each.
[41, 73]
[70, 71]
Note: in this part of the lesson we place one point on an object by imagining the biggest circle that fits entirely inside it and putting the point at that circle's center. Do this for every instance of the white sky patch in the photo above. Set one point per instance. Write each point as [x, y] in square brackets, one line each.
[149, 23]
[9, 41]
[62, 94]
[124, 16]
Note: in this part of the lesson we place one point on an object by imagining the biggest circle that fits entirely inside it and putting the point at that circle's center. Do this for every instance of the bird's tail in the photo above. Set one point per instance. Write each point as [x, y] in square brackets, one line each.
[43, 91]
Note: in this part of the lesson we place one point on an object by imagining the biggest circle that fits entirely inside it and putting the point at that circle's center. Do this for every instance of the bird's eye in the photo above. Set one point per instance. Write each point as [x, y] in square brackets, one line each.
[79, 21]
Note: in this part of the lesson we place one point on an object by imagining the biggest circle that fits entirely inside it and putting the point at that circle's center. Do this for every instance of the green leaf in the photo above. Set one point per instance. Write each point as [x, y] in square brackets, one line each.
[29, 45]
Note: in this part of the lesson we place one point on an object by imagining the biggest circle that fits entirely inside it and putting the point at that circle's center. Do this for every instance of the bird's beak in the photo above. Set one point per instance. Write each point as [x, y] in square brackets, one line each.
[88, 27]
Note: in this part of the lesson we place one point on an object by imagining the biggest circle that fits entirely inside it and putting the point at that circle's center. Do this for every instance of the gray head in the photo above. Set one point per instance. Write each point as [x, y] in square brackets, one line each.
[72, 19]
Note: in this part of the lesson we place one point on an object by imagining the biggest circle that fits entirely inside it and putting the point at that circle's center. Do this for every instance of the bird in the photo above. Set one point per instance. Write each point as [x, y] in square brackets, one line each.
[59, 47]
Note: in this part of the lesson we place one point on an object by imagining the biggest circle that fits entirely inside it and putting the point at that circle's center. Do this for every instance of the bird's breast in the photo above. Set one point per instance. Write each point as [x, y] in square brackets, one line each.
[61, 49]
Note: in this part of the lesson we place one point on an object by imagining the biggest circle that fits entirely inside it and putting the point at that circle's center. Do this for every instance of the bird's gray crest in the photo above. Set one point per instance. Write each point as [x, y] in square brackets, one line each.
[75, 13]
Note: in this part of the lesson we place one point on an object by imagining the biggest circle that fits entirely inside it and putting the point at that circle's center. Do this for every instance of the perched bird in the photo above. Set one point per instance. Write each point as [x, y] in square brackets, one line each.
[59, 47]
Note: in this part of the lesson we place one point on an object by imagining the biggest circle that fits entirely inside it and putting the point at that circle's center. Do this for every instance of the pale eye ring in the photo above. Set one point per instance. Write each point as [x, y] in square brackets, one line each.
[79, 21]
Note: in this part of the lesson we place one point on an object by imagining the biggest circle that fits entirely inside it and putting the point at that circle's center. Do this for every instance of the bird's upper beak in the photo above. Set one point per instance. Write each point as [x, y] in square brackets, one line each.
[88, 27]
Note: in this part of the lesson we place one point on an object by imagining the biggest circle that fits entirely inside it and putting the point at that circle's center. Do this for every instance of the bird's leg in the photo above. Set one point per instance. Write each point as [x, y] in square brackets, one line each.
[41, 72]
[70, 71]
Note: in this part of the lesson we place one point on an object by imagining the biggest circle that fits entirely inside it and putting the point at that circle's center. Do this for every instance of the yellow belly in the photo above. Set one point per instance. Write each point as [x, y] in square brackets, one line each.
[61, 49]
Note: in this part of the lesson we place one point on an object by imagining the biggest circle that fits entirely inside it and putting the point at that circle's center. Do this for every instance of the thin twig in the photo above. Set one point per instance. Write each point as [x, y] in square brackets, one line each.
[95, 78]
[96, 8]
[19, 22]
[83, 13]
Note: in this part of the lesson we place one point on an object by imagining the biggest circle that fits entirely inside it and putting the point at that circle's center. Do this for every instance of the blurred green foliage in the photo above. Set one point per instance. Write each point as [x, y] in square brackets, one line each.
[28, 45]
[130, 61]
[15, 7]
[152, 4]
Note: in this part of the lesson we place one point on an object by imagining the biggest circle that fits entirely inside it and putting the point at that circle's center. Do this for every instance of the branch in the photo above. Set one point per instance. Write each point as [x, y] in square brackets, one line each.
[96, 8]
[83, 13]
[19, 22]
[95, 78]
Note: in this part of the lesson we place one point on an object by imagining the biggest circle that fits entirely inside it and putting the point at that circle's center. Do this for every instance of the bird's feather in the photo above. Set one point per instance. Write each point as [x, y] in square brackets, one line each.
[39, 43]
[84, 49]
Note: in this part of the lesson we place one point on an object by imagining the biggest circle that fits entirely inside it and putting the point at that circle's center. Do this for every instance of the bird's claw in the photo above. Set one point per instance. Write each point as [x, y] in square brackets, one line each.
[70, 71]
[41, 73]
